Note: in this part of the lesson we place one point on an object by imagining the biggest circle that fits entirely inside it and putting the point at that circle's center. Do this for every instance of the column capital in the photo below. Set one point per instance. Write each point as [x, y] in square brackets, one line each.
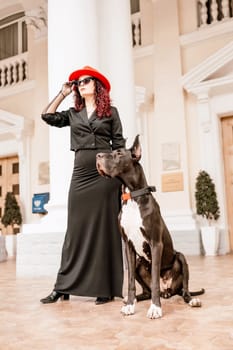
[204, 111]
[140, 93]
[206, 127]
[24, 130]
[203, 96]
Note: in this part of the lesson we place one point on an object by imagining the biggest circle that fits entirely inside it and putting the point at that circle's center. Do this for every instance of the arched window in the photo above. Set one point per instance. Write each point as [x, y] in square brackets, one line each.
[13, 35]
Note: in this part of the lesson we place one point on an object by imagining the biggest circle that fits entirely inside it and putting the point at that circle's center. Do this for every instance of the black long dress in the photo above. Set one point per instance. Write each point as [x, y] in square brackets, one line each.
[91, 262]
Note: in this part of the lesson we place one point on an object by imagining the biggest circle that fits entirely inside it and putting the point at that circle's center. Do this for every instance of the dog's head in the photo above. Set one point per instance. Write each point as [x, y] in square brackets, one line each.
[120, 163]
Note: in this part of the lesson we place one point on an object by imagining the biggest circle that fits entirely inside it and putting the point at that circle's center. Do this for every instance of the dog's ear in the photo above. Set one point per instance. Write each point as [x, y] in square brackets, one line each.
[136, 149]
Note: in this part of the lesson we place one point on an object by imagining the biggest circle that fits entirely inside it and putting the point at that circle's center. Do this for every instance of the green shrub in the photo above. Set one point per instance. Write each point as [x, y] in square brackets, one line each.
[12, 215]
[206, 197]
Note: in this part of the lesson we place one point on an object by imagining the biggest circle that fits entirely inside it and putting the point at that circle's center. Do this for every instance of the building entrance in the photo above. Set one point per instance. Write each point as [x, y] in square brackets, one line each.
[227, 137]
[9, 182]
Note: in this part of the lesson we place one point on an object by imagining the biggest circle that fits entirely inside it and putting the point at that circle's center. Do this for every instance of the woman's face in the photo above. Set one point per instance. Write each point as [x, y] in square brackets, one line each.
[86, 85]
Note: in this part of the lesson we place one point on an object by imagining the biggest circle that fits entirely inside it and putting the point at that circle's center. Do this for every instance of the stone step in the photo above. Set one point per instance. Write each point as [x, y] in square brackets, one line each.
[38, 254]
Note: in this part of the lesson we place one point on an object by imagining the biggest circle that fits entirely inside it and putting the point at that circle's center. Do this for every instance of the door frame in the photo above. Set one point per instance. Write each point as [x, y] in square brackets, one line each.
[227, 196]
[16, 132]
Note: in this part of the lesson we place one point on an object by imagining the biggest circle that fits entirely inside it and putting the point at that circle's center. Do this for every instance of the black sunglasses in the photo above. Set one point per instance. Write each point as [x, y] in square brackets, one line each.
[84, 81]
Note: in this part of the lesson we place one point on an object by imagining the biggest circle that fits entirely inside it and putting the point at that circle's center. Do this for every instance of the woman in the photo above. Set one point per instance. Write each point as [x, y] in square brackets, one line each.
[91, 262]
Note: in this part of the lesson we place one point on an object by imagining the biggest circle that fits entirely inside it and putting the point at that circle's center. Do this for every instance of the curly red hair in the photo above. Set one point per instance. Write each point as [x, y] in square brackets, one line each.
[102, 100]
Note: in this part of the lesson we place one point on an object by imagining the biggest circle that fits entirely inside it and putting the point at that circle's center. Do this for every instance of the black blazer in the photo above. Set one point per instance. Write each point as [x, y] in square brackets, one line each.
[92, 133]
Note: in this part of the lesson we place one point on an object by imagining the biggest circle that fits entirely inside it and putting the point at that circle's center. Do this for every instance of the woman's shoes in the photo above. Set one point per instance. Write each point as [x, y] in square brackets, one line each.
[54, 296]
[103, 300]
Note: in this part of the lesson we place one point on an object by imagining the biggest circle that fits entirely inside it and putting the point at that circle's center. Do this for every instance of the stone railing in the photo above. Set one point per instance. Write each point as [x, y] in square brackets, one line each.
[213, 11]
[13, 70]
[136, 29]
[209, 12]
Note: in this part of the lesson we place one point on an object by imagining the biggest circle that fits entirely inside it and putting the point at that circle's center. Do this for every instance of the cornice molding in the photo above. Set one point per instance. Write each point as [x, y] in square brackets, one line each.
[14, 124]
[143, 51]
[206, 86]
[17, 88]
[208, 32]
[209, 66]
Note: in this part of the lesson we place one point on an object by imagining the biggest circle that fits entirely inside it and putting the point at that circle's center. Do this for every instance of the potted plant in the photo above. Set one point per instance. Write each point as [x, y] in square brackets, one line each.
[12, 217]
[3, 251]
[208, 209]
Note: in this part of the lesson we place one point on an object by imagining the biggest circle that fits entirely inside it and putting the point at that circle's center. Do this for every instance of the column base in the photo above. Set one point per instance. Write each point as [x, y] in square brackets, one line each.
[38, 254]
[184, 232]
[39, 244]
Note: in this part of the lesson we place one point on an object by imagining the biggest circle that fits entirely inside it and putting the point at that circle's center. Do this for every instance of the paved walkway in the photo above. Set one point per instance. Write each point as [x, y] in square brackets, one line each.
[78, 324]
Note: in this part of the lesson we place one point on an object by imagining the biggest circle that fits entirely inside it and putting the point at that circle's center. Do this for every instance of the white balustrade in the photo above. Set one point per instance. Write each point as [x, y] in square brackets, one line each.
[213, 11]
[136, 29]
[13, 70]
[226, 9]
[203, 12]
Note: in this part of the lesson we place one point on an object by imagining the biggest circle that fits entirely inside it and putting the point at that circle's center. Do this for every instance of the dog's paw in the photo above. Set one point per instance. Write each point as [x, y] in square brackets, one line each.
[195, 302]
[128, 309]
[154, 312]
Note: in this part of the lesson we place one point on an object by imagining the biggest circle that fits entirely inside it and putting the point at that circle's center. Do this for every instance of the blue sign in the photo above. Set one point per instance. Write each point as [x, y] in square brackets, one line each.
[38, 202]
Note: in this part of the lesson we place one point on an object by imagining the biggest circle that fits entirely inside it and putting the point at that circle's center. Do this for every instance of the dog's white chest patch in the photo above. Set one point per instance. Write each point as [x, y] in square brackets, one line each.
[131, 221]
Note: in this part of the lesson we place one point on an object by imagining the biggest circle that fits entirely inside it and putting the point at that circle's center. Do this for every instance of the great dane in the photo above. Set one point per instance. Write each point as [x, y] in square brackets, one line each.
[152, 260]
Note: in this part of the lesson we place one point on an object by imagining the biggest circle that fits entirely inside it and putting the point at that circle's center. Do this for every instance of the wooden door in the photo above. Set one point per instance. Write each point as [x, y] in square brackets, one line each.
[227, 137]
[9, 182]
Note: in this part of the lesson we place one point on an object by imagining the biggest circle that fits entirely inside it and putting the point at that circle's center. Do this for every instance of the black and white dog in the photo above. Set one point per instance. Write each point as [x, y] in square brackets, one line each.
[152, 260]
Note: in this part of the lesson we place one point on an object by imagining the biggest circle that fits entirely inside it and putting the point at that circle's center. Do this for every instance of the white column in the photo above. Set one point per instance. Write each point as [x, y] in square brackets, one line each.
[117, 60]
[205, 133]
[168, 124]
[142, 127]
[24, 151]
[72, 43]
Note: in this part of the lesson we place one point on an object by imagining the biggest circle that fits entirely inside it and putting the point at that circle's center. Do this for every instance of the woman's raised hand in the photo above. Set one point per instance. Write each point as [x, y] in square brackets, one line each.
[66, 89]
